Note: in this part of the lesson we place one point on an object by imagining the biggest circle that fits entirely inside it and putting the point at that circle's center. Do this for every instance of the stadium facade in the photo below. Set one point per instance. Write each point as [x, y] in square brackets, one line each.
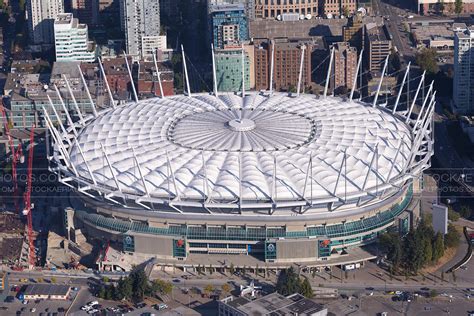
[284, 178]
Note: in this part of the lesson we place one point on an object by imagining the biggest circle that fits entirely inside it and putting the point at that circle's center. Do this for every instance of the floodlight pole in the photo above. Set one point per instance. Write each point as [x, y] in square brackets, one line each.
[106, 83]
[416, 96]
[354, 84]
[131, 79]
[186, 72]
[214, 74]
[158, 74]
[380, 82]
[272, 66]
[94, 110]
[300, 77]
[394, 110]
[328, 77]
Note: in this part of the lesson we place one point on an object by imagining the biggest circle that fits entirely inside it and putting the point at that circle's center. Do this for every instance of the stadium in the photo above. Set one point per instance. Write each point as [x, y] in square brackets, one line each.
[279, 177]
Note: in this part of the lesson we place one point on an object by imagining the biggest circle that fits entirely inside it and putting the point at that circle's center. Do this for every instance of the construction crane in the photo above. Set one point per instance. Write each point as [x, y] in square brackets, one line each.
[27, 199]
[17, 155]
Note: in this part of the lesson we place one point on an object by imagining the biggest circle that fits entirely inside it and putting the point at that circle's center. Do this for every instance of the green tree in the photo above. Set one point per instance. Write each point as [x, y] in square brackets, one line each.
[426, 59]
[140, 284]
[451, 239]
[433, 293]
[453, 215]
[458, 6]
[427, 250]
[465, 211]
[232, 268]
[288, 282]
[438, 247]
[441, 7]
[306, 289]
[105, 279]
[53, 280]
[125, 288]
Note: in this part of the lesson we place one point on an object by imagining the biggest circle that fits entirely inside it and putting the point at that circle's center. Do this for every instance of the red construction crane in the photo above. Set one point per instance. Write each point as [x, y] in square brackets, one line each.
[16, 156]
[27, 210]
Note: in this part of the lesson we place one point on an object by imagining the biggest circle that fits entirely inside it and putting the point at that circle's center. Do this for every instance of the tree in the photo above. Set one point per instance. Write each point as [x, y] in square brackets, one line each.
[345, 11]
[394, 63]
[226, 288]
[465, 211]
[288, 282]
[208, 289]
[452, 214]
[306, 289]
[53, 280]
[427, 250]
[232, 268]
[458, 7]
[105, 279]
[426, 59]
[441, 7]
[451, 239]
[433, 293]
[125, 288]
[140, 284]
[438, 247]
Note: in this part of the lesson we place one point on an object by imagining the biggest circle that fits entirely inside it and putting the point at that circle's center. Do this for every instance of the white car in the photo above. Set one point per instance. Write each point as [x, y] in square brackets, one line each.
[86, 308]
[25, 302]
[398, 292]
[33, 310]
[93, 311]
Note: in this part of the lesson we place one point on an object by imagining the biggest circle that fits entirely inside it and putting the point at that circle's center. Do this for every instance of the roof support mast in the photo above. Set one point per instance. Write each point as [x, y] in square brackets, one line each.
[354, 84]
[112, 102]
[188, 89]
[214, 75]
[394, 110]
[158, 74]
[110, 167]
[380, 82]
[76, 106]
[328, 77]
[131, 79]
[300, 77]
[94, 110]
[272, 66]
[243, 73]
[428, 96]
[69, 120]
[141, 173]
[416, 96]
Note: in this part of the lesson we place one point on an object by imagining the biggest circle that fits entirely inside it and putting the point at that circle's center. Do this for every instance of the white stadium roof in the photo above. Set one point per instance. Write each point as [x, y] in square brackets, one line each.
[255, 149]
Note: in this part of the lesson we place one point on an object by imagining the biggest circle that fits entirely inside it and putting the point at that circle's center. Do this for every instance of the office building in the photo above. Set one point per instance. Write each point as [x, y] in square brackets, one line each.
[272, 9]
[41, 16]
[27, 93]
[141, 24]
[229, 25]
[71, 40]
[440, 219]
[344, 66]
[377, 46]
[463, 84]
[229, 70]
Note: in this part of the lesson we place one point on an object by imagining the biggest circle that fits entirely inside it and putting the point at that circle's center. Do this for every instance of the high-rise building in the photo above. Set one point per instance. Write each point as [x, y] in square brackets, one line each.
[229, 25]
[463, 85]
[272, 9]
[229, 70]
[87, 11]
[71, 40]
[344, 65]
[41, 16]
[377, 45]
[141, 23]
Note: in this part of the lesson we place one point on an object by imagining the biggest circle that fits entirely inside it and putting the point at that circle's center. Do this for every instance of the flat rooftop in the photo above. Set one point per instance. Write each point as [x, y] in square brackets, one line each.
[47, 289]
